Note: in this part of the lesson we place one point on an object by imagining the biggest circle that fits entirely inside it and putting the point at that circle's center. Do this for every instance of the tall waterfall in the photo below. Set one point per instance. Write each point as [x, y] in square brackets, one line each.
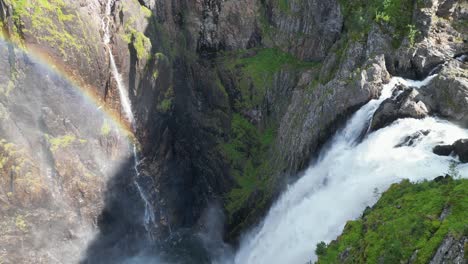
[149, 218]
[123, 92]
[341, 184]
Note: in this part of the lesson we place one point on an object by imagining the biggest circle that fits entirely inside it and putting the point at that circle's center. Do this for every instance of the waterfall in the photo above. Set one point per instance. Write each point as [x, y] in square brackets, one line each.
[341, 184]
[123, 92]
[149, 217]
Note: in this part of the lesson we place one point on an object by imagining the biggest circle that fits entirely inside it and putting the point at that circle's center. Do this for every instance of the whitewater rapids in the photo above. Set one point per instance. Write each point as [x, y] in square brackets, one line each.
[342, 182]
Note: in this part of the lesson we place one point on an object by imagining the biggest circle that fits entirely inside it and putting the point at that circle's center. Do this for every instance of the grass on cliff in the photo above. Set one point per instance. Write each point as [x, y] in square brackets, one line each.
[50, 21]
[257, 72]
[246, 153]
[393, 15]
[406, 219]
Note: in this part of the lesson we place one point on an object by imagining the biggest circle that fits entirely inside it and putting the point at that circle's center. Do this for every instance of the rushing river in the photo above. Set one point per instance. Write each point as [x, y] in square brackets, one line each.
[345, 180]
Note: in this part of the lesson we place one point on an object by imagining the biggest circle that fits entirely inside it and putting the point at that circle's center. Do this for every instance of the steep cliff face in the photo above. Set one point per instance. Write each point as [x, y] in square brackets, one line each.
[232, 97]
[58, 153]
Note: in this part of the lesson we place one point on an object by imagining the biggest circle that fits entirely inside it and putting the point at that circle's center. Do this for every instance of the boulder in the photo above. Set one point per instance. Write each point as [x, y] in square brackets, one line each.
[412, 139]
[447, 94]
[460, 147]
[405, 103]
[443, 150]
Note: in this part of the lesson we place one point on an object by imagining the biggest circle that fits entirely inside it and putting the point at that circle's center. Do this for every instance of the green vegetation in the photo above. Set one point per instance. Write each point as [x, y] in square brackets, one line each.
[20, 223]
[166, 103]
[394, 16]
[249, 146]
[246, 152]
[412, 34]
[406, 219]
[139, 41]
[283, 5]
[258, 71]
[105, 128]
[60, 142]
[135, 37]
[49, 21]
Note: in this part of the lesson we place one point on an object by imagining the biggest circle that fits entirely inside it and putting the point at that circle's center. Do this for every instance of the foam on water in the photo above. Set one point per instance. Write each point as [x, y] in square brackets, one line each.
[341, 184]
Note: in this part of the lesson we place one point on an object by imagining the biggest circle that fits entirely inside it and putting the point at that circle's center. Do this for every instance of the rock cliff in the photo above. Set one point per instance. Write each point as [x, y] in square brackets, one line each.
[233, 97]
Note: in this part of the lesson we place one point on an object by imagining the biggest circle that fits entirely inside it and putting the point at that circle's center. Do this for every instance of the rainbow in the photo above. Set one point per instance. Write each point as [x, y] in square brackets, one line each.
[88, 92]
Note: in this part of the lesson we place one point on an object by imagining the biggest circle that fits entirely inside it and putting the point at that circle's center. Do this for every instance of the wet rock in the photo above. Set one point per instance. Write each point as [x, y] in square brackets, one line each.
[405, 104]
[443, 150]
[460, 147]
[412, 139]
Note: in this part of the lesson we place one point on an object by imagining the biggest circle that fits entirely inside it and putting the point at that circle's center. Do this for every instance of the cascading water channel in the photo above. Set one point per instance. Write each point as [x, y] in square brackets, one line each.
[149, 218]
[342, 183]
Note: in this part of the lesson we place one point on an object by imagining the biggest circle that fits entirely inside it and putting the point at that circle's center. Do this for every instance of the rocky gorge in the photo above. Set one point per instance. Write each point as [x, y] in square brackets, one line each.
[232, 100]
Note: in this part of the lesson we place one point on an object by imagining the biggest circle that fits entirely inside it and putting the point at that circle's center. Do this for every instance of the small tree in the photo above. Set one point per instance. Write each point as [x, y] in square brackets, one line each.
[321, 249]
[413, 32]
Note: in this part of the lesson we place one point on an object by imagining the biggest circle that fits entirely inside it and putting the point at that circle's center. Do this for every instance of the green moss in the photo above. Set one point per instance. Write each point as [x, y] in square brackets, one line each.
[48, 23]
[105, 128]
[404, 220]
[146, 11]
[60, 142]
[166, 103]
[20, 223]
[139, 41]
[258, 71]
[283, 5]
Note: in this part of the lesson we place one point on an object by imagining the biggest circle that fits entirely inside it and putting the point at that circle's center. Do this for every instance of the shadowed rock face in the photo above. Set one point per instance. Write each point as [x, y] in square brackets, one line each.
[57, 153]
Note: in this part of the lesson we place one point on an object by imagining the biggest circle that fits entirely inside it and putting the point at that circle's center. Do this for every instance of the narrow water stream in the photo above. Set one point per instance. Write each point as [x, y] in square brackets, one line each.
[149, 216]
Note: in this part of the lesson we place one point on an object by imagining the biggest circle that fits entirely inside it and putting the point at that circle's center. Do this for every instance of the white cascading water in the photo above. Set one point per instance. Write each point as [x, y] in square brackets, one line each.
[149, 218]
[123, 93]
[342, 183]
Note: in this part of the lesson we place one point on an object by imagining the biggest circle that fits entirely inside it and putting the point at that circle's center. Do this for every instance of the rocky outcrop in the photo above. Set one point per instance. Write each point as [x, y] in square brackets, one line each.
[413, 139]
[443, 150]
[66, 33]
[403, 104]
[459, 148]
[447, 94]
[312, 116]
[54, 167]
[295, 25]
[438, 37]
[451, 250]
